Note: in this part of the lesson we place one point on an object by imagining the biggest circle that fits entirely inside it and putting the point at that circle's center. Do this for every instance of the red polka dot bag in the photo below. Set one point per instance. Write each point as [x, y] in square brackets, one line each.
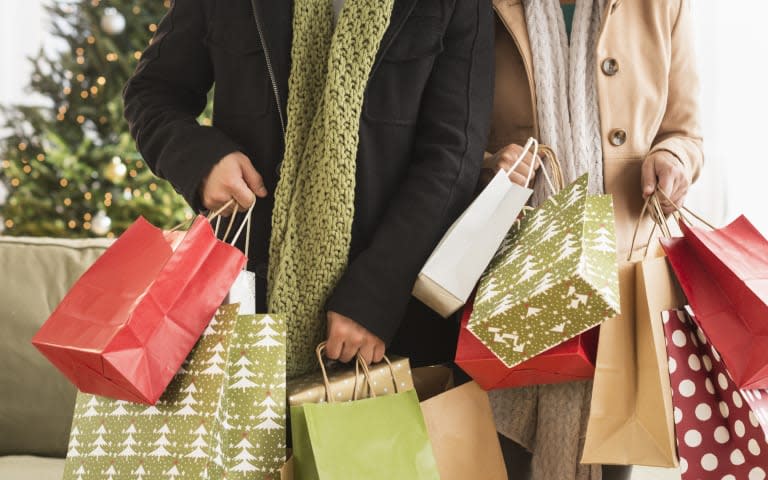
[721, 431]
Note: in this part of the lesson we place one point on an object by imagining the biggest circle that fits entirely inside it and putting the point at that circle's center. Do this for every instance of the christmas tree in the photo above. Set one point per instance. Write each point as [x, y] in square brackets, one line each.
[71, 167]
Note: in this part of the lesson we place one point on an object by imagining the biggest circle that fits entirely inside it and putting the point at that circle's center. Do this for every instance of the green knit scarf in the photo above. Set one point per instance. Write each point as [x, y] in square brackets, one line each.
[314, 201]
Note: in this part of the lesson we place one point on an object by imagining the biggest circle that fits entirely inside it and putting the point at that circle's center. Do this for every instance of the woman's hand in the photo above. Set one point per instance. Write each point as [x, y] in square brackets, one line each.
[665, 170]
[347, 338]
[505, 158]
[233, 178]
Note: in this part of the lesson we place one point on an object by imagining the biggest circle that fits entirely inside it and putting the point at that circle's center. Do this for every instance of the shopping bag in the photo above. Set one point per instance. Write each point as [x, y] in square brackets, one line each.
[347, 383]
[381, 437]
[463, 433]
[223, 415]
[724, 273]
[630, 420]
[458, 261]
[718, 436]
[571, 361]
[128, 323]
[554, 277]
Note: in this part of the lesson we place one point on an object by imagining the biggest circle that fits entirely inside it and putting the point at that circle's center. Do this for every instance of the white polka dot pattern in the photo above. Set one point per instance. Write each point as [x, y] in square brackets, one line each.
[721, 430]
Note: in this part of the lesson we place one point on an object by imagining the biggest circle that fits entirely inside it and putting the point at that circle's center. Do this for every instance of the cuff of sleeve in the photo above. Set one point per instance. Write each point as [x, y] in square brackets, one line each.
[678, 148]
[187, 168]
[380, 313]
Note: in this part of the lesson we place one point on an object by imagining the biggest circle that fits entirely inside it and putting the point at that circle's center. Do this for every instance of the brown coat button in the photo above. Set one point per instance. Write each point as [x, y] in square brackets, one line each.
[610, 67]
[617, 137]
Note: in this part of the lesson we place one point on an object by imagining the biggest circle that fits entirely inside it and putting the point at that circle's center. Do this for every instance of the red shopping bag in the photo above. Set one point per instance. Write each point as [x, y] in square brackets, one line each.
[571, 361]
[129, 322]
[718, 432]
[724, 274]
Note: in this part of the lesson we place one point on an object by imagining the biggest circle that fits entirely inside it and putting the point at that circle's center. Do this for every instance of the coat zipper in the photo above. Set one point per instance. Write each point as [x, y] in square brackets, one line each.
[271, 70]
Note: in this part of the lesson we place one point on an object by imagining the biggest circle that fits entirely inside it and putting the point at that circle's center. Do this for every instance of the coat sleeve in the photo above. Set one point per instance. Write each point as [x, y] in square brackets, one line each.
[165, 96]
[452, 132]
[680, 131]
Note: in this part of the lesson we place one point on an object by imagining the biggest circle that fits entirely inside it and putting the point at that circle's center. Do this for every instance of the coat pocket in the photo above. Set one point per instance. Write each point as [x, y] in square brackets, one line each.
[396, 87]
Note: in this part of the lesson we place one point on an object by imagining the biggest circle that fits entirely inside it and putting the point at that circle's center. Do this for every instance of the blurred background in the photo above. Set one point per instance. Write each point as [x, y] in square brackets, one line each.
[68, 167]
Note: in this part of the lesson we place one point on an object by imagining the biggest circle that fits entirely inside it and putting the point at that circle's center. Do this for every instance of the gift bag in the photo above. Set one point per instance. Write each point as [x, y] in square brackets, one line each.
[718, 435]
[571, 361]
[128, 323]
[455, 266]
[554, 277]
[724, 273]
[348, 383]
[381, 437]
[462, 431]
[223, 415]
[630, 420]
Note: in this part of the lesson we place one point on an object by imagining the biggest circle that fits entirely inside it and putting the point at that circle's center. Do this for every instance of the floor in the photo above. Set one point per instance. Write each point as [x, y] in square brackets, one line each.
[647, 473]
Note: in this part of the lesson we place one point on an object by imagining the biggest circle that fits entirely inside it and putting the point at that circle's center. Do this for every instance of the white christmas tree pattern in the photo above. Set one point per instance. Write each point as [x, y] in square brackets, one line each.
[244, 374]
[267, 333]
[269, 415]
[73, 443]
[539, 273]
[195, 430]
[188, 401]
[245, 457]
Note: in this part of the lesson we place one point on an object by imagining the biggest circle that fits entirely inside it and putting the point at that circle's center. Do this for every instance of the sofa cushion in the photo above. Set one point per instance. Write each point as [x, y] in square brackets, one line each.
[31, 468]
[36, 401]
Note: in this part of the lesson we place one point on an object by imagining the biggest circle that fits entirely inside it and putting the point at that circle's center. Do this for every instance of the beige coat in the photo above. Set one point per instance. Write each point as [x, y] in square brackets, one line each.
[647, 93]
[647, 89]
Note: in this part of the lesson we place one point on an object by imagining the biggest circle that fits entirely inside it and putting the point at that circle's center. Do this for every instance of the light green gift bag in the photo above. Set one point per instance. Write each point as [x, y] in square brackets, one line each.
[378, 438]
[222, 416]
[554, 277]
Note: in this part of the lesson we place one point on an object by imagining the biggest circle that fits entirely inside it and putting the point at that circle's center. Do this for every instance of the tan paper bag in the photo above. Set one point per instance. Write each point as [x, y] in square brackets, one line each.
[463, 434]
[631, 418]
[286, 473]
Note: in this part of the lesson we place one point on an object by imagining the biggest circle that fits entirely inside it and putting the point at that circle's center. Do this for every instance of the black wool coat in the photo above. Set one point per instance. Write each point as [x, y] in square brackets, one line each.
[422, 135]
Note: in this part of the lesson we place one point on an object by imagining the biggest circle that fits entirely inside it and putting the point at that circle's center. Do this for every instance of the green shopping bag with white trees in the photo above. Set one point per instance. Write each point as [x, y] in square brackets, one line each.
[223, 415]
[555, 276]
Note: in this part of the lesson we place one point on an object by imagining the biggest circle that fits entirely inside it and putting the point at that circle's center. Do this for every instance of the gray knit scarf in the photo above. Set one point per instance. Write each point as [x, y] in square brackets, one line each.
[550, 420]
[566, 86]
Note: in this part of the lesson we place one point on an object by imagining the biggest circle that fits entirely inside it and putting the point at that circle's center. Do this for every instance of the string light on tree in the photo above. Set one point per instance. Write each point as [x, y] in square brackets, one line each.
[113, 22]
[101, 223]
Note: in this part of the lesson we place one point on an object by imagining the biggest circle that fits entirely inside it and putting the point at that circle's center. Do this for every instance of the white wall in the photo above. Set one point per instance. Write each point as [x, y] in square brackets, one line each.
[733, 59]
[23, 28]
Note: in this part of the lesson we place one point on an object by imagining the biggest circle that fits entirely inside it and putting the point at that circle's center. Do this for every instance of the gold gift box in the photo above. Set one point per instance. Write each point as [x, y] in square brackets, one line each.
[311, 388]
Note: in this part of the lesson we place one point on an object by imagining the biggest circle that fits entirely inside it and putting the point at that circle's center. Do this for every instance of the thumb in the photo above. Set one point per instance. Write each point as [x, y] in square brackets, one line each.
[252, 178]
[648, 177]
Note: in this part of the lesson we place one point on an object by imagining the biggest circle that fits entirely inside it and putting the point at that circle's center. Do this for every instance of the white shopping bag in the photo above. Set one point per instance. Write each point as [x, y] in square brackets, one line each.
[454, 268]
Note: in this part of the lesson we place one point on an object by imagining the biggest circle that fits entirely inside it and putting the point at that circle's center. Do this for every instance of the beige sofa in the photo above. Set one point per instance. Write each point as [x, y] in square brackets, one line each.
[36, 401]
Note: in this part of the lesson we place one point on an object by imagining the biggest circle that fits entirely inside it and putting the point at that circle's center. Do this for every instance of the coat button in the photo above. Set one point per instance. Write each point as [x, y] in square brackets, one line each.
[618, 137]
[610, 67]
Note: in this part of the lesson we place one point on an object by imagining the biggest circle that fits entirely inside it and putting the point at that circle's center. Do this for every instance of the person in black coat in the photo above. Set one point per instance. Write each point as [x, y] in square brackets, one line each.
[422, 134]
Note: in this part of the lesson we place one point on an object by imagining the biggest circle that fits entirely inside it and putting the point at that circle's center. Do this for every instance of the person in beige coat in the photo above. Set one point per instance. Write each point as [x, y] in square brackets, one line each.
[612, 87]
